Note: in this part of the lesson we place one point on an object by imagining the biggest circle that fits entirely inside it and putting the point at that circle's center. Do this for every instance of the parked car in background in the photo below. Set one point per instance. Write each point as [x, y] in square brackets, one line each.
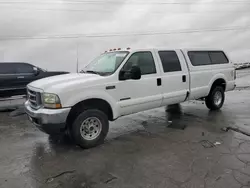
[124, 82]
[245, 65]
[14, 77]
[239, 66]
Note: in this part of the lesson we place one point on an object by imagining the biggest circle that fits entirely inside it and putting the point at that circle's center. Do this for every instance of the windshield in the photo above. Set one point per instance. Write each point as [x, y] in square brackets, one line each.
[106, 63]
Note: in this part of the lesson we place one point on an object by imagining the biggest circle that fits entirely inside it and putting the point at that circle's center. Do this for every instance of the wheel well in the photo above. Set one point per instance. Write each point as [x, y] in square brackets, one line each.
[99, 104]
[219, 82]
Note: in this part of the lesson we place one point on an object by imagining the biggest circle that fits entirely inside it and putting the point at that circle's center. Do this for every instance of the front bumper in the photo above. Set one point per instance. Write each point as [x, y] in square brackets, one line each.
[50, 121]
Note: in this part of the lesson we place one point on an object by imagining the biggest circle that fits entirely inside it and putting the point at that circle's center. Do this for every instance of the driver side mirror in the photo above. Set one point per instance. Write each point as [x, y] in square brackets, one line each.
[35, 71]
[134, 73]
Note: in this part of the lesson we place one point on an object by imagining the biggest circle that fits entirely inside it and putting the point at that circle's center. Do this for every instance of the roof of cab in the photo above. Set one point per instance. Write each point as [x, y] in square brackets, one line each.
[162, 48]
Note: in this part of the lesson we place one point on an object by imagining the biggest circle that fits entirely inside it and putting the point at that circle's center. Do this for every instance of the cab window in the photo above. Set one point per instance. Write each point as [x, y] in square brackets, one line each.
[170, 61]
[144, 60]
[24, 68]
[7, 68]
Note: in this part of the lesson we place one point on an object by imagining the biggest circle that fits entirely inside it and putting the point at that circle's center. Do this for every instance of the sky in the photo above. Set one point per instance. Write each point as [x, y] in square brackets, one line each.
[47, 33]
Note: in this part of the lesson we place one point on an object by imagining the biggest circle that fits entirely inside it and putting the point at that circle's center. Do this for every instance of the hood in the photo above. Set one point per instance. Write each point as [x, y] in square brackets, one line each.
[63, 81]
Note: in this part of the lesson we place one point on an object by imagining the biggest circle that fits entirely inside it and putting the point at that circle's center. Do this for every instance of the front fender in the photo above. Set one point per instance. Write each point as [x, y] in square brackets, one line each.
[70, 101]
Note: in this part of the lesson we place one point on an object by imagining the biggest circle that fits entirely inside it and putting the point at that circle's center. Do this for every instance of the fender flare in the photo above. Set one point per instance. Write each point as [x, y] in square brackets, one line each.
[216, 77]
[83, 96]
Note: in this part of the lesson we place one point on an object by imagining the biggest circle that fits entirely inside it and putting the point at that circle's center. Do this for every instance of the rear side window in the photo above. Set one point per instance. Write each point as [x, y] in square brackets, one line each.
[170, 61]
[144, 60]
[199, 58]
[24, 68]
[218, 57]
[7, 68]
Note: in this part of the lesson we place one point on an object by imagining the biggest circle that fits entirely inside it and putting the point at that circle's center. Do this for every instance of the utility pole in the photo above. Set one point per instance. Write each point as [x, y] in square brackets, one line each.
[77, 57]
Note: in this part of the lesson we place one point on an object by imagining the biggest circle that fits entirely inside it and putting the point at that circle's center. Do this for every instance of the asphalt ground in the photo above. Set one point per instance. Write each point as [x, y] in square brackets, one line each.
[179, 146]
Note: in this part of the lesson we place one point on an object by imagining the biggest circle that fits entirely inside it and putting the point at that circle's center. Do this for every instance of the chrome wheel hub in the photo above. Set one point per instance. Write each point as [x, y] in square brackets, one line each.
[91, 128]
[217, 98]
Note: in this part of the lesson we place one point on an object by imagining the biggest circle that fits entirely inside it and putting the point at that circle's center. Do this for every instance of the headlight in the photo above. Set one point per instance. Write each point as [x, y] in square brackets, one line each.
[51, 101]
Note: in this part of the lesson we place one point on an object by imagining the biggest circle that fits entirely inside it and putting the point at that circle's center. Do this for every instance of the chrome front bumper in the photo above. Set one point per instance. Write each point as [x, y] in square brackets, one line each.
[48, 120]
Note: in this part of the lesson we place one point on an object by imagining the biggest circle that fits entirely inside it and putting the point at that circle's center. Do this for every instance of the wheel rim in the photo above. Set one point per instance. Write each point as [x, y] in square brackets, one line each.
[91, 128]
[217, 98]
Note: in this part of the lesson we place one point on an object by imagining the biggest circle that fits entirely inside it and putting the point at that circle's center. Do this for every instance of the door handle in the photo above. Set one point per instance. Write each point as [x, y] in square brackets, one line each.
[184, 78]
[20, 77]
[158, 81]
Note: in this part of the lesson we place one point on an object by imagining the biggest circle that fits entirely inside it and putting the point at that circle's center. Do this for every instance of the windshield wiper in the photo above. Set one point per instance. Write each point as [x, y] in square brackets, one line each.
[95, 72]
[92, 72]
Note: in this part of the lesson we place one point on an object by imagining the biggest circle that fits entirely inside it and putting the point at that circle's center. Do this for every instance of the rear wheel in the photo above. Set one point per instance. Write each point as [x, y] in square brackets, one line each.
[90, 128]
[215, 99]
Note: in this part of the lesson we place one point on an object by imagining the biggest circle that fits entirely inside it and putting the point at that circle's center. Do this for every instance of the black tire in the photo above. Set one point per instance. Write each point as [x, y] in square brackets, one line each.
[76, 128]
[211, 98]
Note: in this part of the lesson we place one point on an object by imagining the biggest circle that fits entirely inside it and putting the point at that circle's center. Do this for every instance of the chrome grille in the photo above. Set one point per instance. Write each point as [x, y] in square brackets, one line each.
[34, 98]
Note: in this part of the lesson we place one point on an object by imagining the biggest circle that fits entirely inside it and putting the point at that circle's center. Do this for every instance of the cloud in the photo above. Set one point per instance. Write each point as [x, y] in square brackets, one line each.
[48, 18]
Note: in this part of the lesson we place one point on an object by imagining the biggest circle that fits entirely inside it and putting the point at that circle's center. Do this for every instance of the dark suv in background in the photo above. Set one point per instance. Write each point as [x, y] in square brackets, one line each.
[15, 76]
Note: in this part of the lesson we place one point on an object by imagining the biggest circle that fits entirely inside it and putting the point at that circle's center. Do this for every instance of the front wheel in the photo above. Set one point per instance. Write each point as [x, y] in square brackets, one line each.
[215, 99]
[90, 128]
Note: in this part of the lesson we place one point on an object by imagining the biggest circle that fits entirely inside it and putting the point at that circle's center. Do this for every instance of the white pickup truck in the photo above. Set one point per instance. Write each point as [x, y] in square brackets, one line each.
[123, 82]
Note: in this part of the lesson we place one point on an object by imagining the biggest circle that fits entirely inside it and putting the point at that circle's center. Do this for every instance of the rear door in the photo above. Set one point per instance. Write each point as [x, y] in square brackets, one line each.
[24, 74]
[175, 77]
[7, 77]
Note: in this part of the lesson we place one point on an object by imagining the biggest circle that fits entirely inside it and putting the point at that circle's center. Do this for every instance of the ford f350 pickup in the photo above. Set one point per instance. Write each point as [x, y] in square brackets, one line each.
[123, 82]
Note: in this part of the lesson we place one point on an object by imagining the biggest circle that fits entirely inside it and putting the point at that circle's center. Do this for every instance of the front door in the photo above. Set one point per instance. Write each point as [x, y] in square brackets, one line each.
[143, 94]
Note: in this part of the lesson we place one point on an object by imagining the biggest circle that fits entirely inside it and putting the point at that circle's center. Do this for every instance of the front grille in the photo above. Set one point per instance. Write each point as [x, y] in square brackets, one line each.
[34, 98]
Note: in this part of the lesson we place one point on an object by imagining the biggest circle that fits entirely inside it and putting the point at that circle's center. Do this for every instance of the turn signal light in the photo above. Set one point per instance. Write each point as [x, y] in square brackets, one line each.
[58, 106]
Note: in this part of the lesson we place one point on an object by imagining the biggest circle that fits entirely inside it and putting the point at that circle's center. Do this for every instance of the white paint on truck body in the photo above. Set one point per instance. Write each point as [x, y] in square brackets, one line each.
[131, 96]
